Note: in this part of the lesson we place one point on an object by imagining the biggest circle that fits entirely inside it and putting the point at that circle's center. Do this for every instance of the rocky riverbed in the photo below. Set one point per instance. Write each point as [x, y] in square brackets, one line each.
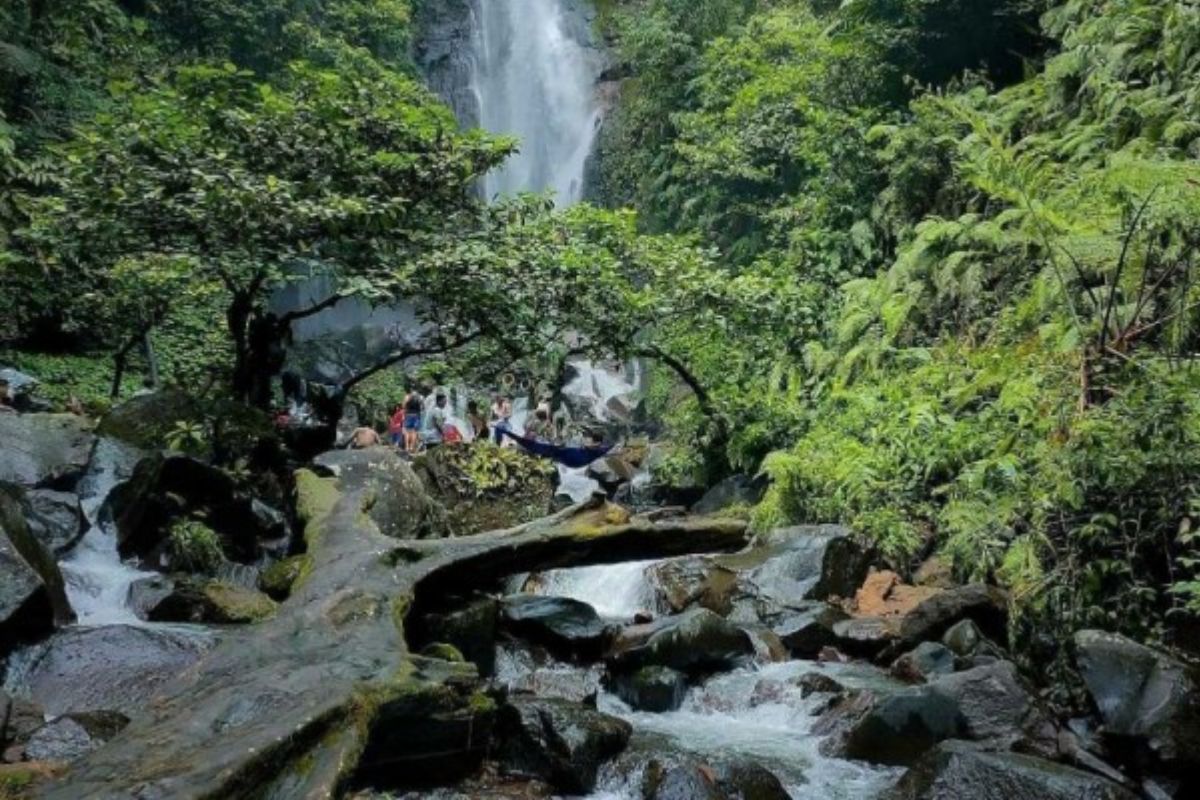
[372, 653]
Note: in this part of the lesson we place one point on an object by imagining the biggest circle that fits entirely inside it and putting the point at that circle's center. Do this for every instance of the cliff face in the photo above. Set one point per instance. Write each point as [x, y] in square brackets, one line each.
[444, 48]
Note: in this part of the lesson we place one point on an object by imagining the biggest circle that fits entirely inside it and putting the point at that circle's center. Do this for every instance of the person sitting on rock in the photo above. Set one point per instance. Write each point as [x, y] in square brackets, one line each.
[362, 438]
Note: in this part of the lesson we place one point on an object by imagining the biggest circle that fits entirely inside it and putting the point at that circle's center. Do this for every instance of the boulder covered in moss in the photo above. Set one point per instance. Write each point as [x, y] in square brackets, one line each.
[484, 487]
[396, 499]
[213, 602]
[278, 579]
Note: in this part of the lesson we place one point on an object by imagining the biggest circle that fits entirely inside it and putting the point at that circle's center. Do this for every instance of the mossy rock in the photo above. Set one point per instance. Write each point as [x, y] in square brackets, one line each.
[212, 602]
[18, 781]
[228, 429]
[485, 487]
[444, 652]
[278, 579]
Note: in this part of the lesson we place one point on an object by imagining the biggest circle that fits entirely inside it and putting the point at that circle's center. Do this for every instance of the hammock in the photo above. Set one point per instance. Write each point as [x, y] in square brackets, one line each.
[572, 457]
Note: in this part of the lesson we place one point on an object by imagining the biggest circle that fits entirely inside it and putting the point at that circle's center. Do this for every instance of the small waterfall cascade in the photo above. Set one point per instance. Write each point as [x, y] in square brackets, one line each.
[535, 74]
[97, 579]
[616, 591]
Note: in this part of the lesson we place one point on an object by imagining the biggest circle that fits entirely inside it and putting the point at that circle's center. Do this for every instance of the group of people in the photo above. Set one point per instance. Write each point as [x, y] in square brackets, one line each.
[420, 421]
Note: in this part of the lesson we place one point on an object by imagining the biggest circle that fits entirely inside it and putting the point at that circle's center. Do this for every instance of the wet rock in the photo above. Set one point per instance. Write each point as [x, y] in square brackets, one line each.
[696, 641]
[996, 707]
[532, 670]
[683, 782]
[656, 689]
[567, 628]
[558, 741]
[964, 771]
[115, 668]
[803, 561]
[805, 631]
[146, 593]
[818, 683]
[923, 662]
[844, 565]
[963, 638]
[986, 606]
[72, 736]
[935, 572]
[695, 581]
[33, 598]
[733, 492]
[55, 519]
[894, 729]
[746, 780]
[398, 501]
[471, 628]
[278, 579]
[865, 637]
[486, 488]
[1148, 700]
[434, 733]
[44, 451]
[213, 602]
[19, 719]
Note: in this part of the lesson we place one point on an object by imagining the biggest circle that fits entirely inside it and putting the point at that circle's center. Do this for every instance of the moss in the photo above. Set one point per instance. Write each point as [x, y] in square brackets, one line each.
[17, 781]
[237, 605]
[443, 651]
[278, 579]
[482, 703]
[194, 547]
[315, 500]
[400, 608]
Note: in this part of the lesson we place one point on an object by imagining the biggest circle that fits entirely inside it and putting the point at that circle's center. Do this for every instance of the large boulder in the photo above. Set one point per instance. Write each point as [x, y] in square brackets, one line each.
[399, 503]
[148, 421]
[964, 771]
[696, 641]
[996, 707]
[55, 519]
[115, 668]
[895, 728]
[558, 741]
[567, 628]
[985, 605]
[48, 451]
[807, 561]
[33, 598]
[484, 487]
[1148, 700]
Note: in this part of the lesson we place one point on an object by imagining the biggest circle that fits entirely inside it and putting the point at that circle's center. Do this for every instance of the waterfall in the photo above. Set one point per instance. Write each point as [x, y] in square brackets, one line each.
[535, 77]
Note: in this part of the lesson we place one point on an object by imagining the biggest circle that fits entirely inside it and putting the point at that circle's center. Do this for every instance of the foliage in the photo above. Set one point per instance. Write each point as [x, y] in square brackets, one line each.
[194, 547]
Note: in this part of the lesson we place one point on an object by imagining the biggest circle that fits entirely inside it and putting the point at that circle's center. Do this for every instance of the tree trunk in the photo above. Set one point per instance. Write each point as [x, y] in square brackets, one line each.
[286, 708]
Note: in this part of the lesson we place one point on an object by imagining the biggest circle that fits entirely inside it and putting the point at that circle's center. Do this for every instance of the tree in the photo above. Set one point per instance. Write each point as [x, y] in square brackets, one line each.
[248, 180]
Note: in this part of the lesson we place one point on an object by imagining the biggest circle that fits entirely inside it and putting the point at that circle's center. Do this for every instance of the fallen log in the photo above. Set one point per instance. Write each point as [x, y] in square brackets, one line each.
[287, 708]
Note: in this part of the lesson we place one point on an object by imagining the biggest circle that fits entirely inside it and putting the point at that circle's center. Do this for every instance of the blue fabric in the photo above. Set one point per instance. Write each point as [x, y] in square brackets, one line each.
[412, 422]
[573, 457]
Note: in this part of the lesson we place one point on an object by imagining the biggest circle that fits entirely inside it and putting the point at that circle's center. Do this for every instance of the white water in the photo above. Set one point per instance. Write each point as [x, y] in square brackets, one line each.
[97, 579]
[535, 77]
[617, 591]
[756, 713]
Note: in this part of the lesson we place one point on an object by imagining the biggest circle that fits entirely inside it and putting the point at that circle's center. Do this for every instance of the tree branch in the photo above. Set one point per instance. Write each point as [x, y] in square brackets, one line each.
[396, 356]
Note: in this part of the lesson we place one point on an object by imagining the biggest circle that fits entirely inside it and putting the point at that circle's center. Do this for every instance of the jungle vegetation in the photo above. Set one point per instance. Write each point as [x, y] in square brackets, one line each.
[927, 264]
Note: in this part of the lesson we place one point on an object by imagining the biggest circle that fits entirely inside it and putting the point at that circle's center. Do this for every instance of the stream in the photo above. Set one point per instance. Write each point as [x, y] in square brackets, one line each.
[755, 712]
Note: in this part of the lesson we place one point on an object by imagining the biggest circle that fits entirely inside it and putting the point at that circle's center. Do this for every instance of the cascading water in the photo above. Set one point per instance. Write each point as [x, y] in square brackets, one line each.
[535, 78]
[97, 579]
